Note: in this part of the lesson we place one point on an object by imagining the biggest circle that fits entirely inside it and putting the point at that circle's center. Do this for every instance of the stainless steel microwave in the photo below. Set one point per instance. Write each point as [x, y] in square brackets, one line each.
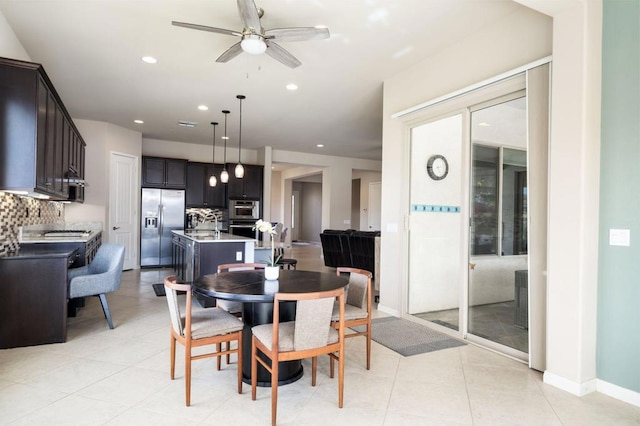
[244, 209]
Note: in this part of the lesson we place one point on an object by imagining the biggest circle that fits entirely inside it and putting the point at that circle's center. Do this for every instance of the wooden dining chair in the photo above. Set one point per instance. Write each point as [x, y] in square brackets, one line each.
[234, 308]
[308, 336]
[200, 328]
[357, 309]
[230, 306]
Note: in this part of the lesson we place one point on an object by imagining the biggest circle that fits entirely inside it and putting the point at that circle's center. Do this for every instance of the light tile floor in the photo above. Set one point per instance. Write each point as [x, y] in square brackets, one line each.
[120, 377]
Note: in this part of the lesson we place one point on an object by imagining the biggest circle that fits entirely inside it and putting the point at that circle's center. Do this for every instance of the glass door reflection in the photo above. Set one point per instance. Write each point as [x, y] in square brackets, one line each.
[498, 259]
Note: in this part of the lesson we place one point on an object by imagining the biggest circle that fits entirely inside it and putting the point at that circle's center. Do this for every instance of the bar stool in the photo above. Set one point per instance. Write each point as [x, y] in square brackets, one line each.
[290, 263]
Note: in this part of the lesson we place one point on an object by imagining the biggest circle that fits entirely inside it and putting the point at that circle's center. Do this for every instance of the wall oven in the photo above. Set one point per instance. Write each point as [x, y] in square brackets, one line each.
[243, 228]
[244, 210]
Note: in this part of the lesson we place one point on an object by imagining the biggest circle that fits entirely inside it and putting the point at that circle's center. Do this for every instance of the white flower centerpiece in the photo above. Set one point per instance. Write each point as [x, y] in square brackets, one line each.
[272, 270]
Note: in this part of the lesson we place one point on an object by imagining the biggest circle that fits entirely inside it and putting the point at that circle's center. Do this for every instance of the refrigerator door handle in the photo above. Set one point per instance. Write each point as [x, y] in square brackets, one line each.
[161, 218]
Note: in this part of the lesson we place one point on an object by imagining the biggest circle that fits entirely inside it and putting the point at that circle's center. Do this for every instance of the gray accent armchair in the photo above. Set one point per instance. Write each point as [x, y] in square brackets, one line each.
[101, 276]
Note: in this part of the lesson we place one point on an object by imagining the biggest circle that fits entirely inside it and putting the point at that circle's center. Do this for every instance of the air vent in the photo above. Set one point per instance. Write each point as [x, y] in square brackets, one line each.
[185, 123]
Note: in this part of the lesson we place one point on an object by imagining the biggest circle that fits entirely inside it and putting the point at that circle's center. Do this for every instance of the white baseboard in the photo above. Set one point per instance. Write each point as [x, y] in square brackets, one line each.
[578, 389]
[388, 310]
[595, 385]
[618, 392]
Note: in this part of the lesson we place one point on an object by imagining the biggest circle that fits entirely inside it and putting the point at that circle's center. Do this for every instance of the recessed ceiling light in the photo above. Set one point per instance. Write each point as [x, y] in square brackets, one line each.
[320, 145]
[149, 60]
[203, 107]
[138, 121]
[483, 124]
[292, 86]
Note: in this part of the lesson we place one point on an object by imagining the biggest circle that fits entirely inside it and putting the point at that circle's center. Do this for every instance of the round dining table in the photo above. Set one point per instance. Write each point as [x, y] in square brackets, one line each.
[256, 293]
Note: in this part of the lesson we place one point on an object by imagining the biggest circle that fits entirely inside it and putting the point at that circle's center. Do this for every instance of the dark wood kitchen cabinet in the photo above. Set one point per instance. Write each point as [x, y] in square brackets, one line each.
[33, 304]
[35, 132]
[247, 188]
[199, 193]
[164, 173]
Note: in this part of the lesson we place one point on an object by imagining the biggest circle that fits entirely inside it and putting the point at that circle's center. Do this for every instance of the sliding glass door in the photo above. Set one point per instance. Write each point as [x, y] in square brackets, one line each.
[498, 252]
[477, 233]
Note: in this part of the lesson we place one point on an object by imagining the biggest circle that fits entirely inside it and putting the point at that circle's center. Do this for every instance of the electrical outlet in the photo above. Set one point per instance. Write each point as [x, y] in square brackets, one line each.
[238, 255]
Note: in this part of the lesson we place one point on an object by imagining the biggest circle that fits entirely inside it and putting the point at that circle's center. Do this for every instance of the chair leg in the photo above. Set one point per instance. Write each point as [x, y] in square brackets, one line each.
[218, 349]
[368, 346]
[187, 374]
[340, 378]
[172, 349]
[254, 368]
[314, 367]
[274, 391]
[105, 309]
[227, 347]
[239, 354]
[331, 366]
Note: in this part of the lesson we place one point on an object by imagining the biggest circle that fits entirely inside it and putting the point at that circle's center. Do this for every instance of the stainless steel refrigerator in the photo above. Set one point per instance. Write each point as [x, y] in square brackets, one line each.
[162, 211]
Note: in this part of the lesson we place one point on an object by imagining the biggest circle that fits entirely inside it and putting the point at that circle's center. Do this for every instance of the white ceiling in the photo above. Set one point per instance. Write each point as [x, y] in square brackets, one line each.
[91, 50]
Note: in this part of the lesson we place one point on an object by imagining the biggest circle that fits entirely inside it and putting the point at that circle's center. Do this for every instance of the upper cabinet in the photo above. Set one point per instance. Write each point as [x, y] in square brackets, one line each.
[247, 188]
[164, 173]
[42, 149]
[199, 193]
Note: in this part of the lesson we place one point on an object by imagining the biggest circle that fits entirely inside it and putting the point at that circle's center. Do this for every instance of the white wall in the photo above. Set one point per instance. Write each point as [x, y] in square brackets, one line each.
[519, 38]
[194, 151]
[435, 263]
[277, 213]
[574, 162]
[101, 139]
[10, 46]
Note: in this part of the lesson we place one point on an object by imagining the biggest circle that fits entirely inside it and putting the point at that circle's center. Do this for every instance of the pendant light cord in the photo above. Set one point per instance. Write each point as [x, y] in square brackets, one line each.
[225, 112]
[240, 97]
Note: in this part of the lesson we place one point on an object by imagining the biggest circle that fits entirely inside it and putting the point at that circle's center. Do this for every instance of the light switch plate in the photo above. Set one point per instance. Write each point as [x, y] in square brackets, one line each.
[238, 255]
[620, 237]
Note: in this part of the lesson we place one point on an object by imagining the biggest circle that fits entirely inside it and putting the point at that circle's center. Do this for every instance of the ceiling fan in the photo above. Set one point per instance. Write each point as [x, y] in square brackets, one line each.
[256, 40]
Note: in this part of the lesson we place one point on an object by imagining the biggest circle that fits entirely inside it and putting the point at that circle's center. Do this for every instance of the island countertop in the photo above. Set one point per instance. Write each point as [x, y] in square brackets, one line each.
[206, 236]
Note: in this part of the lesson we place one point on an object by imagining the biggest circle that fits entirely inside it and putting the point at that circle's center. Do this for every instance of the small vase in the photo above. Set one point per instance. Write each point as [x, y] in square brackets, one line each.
[271, 272]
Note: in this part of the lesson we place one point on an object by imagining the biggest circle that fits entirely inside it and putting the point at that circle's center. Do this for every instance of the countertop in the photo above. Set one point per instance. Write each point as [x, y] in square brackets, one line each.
[206, 236]
[30, 252]
[38, 237]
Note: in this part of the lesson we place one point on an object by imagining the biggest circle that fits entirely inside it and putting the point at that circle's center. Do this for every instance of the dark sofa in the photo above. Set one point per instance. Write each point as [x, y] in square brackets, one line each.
[356, 249]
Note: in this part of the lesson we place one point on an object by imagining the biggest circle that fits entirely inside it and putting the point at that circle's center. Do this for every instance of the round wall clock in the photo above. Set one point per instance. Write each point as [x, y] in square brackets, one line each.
[437, 167]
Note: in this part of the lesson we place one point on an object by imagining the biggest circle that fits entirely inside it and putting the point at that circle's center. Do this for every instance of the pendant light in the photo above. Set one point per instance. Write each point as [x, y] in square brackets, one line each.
[224, 176]
[239, 172]
[213, 181]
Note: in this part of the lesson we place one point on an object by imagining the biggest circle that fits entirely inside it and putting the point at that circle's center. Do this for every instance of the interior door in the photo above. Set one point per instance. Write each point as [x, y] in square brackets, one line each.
[375, 206]
[123, 205]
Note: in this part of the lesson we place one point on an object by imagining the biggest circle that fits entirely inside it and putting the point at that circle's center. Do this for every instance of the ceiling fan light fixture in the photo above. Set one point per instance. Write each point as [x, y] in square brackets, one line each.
[253, 44]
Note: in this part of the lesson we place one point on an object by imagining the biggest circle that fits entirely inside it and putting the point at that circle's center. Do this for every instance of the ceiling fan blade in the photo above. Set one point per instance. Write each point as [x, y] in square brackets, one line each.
[281, 55]
[230, 53]
[297, 33]
[249, 15]
[205, 28]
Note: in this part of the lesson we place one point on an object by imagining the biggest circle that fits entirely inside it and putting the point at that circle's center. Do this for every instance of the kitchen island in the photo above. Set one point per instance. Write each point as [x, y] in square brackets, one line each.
[199, 252]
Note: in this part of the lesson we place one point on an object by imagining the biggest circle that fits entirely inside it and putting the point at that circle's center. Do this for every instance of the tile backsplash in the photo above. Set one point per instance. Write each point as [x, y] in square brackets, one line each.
[16, 211]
